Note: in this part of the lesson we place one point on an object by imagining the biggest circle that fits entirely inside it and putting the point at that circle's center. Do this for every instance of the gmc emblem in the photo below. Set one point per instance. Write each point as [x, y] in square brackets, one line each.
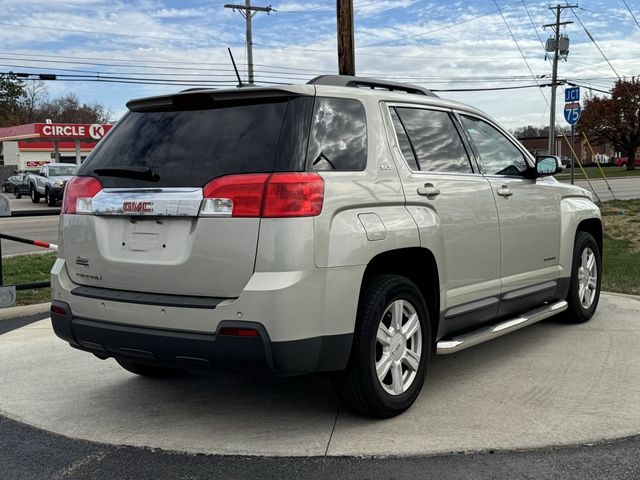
[137, 207]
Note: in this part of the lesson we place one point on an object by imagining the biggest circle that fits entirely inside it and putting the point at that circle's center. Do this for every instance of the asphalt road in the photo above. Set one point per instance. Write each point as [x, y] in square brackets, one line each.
[621, 188]
[30, 453]
[43, 228]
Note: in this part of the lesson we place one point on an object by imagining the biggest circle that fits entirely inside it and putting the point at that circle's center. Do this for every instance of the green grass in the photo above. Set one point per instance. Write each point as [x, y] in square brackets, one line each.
[593, 173]
[621, 246]
[29, 268]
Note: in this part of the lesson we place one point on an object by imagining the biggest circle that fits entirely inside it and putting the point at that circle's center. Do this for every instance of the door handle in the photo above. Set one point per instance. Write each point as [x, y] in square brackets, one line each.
[505, 191]
[429, 190]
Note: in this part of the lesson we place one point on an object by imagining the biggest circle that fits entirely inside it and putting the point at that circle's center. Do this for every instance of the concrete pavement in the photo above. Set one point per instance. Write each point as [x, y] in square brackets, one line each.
[549, 384]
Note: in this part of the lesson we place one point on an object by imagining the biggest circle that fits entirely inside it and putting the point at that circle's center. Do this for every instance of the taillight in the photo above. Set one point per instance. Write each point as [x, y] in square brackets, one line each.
[293, 195]
[264, 195]
[234, 196]
[78, 193]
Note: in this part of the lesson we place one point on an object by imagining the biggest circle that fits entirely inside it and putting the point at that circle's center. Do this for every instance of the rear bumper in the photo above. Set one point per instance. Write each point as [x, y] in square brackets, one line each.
[196, 350]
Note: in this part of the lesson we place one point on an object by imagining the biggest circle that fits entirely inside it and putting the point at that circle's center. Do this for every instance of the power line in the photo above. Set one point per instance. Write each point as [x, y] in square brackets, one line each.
[518, 45]
[632, 15]
[535, 29]
[487, 89]
[462, 22]
[595, 43]
[211, 83]
[97, 32]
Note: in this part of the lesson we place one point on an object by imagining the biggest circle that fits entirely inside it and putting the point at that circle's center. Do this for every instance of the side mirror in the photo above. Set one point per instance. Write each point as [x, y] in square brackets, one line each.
[548, 165]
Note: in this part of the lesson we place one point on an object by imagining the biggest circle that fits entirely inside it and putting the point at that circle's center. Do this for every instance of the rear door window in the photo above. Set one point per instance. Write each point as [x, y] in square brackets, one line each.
[435, 143]
[188, 148]
[338, 139]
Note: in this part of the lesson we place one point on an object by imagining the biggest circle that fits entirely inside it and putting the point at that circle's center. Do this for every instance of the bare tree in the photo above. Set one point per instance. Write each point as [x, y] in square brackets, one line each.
[35, 94]
[69, 109]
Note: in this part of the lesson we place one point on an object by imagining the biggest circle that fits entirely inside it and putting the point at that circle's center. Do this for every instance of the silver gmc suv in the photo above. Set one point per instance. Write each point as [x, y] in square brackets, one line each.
[349, 225]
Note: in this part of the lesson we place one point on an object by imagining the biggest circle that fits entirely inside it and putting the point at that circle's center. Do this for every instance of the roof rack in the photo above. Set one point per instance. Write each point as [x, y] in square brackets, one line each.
[196, 89]
[372, 83]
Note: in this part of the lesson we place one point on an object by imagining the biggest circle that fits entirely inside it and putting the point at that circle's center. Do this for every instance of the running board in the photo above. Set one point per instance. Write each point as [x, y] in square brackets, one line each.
[484, 334]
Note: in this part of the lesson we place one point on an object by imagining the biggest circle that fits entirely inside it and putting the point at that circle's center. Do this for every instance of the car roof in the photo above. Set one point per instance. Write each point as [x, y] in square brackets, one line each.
[344, 86]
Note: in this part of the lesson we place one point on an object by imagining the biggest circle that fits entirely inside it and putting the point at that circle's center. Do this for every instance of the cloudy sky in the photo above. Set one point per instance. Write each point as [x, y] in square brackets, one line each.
[438, 44]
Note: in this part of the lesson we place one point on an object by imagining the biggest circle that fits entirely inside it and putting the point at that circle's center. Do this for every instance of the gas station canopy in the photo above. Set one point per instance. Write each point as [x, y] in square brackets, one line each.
[43, 136]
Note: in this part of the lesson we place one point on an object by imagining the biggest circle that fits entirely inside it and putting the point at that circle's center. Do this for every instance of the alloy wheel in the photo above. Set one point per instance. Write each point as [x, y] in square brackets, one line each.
[587, 278]
[398, 347]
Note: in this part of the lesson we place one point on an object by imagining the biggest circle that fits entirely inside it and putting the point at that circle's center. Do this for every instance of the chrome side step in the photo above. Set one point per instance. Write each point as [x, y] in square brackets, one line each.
[484, 334]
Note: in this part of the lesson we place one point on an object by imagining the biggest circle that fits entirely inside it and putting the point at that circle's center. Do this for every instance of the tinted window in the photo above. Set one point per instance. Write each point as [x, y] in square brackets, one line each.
[403, 141]
[498, 156]
[435, 140]
[338, 139]
[58, 170]
[191, 147]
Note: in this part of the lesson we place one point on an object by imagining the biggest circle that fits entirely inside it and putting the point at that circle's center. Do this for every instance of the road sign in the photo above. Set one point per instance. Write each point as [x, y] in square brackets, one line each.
[572, 112]
[572, 94]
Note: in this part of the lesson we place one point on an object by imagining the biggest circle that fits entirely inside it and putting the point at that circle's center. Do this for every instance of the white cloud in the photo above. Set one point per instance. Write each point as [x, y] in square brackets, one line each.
[411, 40]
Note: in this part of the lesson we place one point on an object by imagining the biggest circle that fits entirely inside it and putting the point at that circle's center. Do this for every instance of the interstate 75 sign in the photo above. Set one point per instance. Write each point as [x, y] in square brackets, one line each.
[572, 108]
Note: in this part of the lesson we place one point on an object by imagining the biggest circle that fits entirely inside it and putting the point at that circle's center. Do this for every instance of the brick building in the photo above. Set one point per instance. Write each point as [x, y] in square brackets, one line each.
[540, 145]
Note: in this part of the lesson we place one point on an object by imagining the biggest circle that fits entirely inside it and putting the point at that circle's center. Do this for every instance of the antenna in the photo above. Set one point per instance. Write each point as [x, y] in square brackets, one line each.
[240, 84]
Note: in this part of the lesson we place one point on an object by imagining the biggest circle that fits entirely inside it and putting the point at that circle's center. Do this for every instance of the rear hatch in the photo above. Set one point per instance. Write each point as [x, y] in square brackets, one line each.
[145, 226]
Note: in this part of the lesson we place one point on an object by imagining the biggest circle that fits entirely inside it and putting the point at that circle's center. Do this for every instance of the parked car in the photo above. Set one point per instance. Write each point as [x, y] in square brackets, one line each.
[17, 184]
[622, 161]
[7, 185]
[50, 181]
[349, 225]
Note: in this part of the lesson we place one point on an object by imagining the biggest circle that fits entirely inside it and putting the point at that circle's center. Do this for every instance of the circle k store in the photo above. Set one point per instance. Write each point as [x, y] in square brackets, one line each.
[28, 147]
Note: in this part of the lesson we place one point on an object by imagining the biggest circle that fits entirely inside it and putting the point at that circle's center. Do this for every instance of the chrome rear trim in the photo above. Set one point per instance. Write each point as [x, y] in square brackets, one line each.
[154, 202]
[484, 334]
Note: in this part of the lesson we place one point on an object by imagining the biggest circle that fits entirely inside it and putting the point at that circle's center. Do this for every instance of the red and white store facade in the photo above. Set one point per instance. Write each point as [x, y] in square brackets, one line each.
[30, 146]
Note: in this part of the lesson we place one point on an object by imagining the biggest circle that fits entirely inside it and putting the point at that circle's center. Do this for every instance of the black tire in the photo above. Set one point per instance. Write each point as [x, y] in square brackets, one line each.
[358, 386]
[151, 371]
[51, 201]
[35, 196]
[576, 312]
[17, 194]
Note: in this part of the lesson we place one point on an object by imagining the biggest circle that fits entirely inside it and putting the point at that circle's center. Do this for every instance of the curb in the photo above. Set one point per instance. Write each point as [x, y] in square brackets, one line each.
[35, 252]
[625, 295]
[24, 311]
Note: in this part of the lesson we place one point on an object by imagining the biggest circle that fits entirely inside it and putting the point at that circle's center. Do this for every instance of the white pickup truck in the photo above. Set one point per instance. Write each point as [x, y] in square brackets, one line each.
[49, 182]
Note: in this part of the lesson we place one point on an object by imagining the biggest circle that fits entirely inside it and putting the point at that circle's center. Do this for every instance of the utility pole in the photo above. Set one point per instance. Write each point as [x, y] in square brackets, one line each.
[558, 52]
[248, 11]
[346, 42]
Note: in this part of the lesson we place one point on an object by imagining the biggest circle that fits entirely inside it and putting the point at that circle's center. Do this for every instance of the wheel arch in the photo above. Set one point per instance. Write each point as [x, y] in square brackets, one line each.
[418, 265]
[593, 226]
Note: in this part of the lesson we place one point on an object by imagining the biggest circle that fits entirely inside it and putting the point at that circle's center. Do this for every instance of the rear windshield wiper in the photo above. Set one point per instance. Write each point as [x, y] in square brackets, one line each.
[142, 173]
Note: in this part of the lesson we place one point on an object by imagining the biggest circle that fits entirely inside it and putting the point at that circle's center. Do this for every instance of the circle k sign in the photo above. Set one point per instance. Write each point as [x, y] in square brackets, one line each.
[71, 131]
[96, 131]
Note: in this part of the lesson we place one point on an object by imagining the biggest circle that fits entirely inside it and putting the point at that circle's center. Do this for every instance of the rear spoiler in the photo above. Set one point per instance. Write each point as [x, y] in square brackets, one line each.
[208, 98]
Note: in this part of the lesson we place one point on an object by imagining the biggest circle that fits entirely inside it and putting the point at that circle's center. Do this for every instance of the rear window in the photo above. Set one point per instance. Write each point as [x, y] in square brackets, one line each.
[338, 139]
[189, 148]
[62, 170]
